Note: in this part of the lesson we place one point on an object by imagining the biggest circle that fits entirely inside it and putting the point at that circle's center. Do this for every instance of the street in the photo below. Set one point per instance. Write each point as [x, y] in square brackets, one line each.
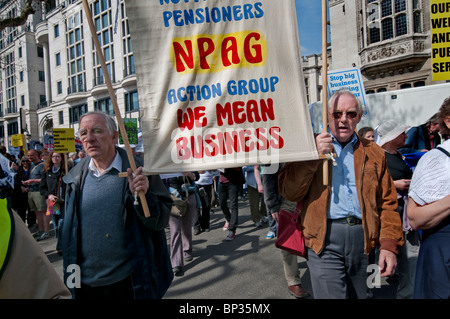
[249, 267]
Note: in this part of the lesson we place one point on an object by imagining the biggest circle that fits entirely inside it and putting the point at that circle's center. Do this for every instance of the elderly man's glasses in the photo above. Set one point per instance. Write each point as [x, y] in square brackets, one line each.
[350, 115]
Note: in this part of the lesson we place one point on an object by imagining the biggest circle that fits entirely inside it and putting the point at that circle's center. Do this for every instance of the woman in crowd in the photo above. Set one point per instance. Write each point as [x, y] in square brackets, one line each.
[181, 227]
[52, 188]
[367, 132]
[392, 136]
[429, 210]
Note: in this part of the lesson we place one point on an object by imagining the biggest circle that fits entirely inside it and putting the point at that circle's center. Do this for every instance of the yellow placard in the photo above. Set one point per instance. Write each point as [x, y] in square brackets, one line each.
[17, 140]
[64, 140]
[440, 39]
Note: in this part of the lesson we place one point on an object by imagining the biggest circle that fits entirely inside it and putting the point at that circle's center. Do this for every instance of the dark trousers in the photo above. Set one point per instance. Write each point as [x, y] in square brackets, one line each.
[229, 191]
[202, 218]
[340, 270]
[119, 290]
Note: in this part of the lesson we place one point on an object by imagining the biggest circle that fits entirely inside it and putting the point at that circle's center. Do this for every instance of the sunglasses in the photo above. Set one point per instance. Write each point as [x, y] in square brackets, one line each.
[350, 115]
[25, 161]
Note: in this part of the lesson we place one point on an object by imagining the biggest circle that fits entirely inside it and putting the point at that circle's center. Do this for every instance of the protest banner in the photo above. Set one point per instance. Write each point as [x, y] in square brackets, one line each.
[17, 140]
[64, 143]
[220, 84]
[440, 39]
[63, 140]
[349, 79]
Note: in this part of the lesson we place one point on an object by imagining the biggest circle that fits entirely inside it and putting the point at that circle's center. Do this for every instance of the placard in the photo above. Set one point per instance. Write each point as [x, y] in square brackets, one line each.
[63, 140]
[220, 84]
[440, 39]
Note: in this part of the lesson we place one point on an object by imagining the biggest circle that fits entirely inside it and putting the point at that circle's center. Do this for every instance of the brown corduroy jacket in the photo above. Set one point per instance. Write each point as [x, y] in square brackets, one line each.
[376, 193]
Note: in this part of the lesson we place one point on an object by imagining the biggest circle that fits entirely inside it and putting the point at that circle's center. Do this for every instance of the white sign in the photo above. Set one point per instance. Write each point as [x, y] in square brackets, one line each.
[220, 84]
[349, 79]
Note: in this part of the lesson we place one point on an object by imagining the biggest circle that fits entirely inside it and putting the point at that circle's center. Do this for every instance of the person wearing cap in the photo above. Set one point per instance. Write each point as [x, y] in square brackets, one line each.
[422, 138]
[391, 136]
[344, 220]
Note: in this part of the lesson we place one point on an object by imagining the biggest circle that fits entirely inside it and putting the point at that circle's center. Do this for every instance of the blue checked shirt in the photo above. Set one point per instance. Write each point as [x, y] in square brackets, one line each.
[344, 197]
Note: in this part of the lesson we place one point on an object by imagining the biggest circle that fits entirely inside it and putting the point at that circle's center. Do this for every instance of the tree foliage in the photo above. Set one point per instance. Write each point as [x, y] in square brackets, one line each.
[29, 8]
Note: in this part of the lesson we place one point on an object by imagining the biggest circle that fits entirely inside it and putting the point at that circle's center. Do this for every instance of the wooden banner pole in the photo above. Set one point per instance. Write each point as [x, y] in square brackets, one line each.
[66, 163]
[324, 83]
[113, 100]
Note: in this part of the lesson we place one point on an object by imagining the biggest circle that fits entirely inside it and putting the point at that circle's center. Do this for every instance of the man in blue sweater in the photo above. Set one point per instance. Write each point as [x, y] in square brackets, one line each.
[117, 251]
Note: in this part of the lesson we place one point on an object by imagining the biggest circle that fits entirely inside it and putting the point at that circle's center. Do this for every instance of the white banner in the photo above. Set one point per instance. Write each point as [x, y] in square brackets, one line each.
[220, 84]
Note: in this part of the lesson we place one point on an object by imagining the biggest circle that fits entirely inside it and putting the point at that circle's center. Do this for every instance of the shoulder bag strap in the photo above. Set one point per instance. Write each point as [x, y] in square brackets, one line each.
[443, 151]
[299, 206]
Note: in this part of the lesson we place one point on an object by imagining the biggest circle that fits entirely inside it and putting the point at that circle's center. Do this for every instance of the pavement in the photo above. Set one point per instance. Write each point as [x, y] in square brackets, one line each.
[249, 267]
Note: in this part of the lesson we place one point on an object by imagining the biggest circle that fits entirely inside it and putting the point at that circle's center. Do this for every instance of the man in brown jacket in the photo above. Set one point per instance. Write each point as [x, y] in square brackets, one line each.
[344, 220]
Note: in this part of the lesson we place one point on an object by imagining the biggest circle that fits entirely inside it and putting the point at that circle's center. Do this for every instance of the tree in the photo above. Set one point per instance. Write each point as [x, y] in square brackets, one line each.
[31, 6]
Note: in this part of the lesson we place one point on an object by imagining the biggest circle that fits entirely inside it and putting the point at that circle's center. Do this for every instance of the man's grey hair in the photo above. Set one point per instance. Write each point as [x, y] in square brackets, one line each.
[344, 92]
[110, 122]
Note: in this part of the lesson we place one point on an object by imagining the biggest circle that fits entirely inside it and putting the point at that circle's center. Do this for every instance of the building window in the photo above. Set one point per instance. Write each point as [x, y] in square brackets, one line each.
[75, 54]
[104, 105]
[128, 58]
[10, 83]
[58, 59]
[75, 113]
[400, 6]
[386, 26]
[22, 100]
[40, 51]
[41, 76]
[56, 30]
[419, 84]
[61, 117]
[13, 128]
[417, 16]
[374, 35]
[131, 101]
[20, 52]
[103, 23]
[400, 25]
[387, 19]
[405, 86]
[21, 76]
[59, 87]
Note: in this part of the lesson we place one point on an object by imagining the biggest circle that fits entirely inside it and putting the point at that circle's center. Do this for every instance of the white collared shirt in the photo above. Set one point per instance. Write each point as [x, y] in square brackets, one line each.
[116, 163]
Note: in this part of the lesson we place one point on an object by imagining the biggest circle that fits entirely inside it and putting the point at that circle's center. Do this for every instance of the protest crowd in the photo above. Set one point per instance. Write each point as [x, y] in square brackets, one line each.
[381, 205]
